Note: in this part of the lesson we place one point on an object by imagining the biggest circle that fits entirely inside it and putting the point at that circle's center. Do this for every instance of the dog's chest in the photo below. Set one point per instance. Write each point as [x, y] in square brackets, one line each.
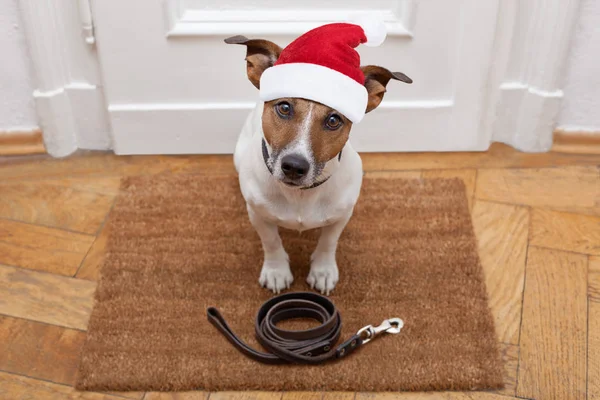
[298, 214]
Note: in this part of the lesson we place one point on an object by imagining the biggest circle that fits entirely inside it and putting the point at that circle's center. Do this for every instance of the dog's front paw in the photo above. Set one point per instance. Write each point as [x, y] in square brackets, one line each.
[276, 278]
[323, 275]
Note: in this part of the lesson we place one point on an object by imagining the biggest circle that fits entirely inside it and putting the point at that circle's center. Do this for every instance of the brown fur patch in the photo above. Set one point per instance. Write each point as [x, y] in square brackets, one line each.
[325, 143]
[280, 132]
[260, 55]
[376, 80]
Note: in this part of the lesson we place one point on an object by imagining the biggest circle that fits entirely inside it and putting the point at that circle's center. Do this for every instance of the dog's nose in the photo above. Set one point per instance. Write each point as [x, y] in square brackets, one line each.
[294, 166]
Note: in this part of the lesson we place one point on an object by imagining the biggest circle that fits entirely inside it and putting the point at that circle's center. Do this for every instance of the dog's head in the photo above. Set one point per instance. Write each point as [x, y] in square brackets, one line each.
[304, 136]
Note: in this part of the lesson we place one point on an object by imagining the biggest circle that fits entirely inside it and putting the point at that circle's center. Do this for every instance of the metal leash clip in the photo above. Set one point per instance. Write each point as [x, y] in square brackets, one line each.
[392, 325]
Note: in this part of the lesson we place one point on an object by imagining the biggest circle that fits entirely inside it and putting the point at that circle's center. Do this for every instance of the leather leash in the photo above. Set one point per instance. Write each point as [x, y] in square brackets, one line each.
[311, 346]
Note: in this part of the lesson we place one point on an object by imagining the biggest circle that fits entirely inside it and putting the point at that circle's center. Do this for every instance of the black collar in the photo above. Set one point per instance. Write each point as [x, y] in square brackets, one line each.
[265, 153]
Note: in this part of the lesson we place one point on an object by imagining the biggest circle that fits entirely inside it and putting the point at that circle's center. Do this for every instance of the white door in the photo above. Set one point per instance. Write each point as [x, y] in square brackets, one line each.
[173, 86]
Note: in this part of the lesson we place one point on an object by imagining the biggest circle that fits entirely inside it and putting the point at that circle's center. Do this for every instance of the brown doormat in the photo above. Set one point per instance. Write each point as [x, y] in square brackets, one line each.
[179, 244]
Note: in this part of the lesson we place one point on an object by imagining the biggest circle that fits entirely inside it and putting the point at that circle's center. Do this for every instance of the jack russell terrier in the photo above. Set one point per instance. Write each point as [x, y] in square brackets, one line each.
[296, 167]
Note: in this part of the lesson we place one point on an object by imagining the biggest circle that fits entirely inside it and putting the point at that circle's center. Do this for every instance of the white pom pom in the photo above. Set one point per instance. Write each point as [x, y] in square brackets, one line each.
[374, 29]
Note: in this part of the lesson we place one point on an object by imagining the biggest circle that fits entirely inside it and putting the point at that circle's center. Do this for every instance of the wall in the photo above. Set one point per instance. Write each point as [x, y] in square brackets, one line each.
[580, 108]
[581, 105]
[17, 108]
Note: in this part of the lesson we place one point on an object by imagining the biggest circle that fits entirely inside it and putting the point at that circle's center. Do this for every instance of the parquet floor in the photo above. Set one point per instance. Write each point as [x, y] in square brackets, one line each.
[537, 219]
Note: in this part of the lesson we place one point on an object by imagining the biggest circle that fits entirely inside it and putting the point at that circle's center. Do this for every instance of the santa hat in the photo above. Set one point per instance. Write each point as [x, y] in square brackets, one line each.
[323, 66]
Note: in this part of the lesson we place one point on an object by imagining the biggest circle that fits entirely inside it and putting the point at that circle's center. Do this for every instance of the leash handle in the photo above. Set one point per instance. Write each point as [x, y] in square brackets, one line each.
[215, 318]
[312, 346]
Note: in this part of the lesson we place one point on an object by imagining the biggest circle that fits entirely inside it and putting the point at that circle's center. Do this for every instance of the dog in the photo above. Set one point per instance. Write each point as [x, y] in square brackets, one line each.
[297, 169]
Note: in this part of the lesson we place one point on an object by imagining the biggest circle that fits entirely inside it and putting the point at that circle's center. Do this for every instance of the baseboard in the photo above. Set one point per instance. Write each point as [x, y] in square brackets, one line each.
[526, 116]
[576, 142]
[73, 116]
[17, 143]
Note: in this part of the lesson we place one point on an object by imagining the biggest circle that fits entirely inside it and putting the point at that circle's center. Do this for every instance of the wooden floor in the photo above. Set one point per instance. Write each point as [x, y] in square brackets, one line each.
[537, 219]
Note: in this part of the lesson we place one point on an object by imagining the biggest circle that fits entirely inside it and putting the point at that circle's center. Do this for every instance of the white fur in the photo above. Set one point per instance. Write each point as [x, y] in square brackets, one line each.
[271, 204]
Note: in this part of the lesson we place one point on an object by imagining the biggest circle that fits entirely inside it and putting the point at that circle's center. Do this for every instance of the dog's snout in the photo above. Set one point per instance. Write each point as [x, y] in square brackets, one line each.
[294, 166]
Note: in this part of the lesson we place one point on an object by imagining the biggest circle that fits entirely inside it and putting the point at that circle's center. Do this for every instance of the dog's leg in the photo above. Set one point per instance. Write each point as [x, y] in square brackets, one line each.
[275, 274]
[324, 273]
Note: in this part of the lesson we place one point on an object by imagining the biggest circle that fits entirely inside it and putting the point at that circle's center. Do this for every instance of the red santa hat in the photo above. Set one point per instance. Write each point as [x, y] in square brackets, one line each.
[323, 66]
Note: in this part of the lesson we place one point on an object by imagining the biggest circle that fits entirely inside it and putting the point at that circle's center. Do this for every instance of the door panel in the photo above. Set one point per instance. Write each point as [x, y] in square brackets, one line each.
[173, 86]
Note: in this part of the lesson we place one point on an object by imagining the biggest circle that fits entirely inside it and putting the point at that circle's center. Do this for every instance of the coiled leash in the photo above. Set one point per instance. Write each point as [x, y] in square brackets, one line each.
[311, 346]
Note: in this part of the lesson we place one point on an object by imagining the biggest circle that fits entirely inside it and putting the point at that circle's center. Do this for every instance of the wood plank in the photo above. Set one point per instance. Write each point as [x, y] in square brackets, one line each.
[498, 156]
[431, 396]
[102, 185]
[25, 352]
[41, 248]
[253, 395]
[468, 176]
[98, 164]
[510, 357]
[93, 164]
[21, 387]
[54, 205]
[565, 231]
[176, 396]
[339, 395]
[576, 142]
[553, 331]
[129, 395]
[502, 235]
[39, 350]
[416, 174]
[594, 351]
[44, 297]
[594, 278]
[302, 396]
[90, 268]
[22, 143]
[575, 188]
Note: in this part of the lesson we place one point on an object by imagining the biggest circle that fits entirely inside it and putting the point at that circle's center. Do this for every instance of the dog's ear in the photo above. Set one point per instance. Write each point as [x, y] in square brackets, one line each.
[376, 79]
[260, 55]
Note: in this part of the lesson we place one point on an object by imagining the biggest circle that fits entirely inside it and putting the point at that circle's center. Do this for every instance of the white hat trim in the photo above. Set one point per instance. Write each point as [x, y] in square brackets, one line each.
[317, 83]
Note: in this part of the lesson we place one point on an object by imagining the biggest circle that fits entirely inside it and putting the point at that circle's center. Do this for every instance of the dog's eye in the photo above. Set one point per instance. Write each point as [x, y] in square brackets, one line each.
[333, 122]
[284, 109]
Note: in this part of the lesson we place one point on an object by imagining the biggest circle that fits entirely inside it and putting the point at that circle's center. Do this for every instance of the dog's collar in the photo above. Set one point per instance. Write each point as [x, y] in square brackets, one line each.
[265, 153]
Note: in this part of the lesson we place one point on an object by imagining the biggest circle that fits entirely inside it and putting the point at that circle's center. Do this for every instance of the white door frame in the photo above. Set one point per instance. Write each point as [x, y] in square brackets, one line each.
[520, 107]
[533, 38]
[68, 87]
